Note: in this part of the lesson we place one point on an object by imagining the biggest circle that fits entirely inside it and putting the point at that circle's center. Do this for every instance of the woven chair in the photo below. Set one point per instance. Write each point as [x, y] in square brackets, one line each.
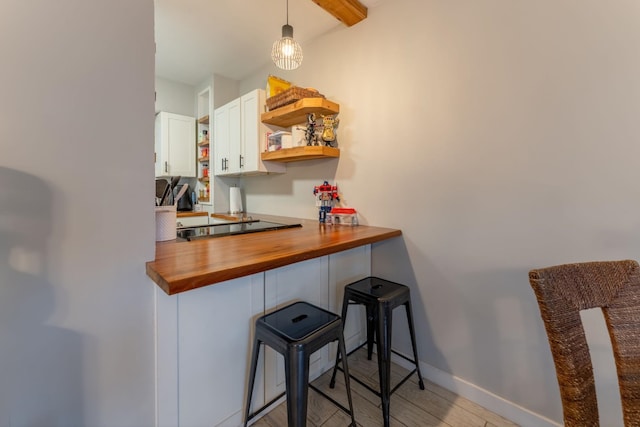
[562, 291]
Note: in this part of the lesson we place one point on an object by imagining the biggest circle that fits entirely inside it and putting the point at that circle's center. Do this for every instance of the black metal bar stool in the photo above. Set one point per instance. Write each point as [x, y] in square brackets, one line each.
[380, 297]
[296, 331]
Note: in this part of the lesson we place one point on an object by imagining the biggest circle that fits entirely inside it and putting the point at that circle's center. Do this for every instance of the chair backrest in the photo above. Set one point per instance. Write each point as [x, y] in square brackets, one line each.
[562, 291]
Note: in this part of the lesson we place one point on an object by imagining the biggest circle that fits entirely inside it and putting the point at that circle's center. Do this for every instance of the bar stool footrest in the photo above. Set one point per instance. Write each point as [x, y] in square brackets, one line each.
[266, 405]
[312, 387]
[331, 399]
[367, 386]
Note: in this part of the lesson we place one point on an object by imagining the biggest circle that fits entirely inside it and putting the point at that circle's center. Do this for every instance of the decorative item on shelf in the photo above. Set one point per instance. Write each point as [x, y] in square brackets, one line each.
[204, 152]
[310, 133]
[291, 95]
[342, 216]
[276, 85]
[326, 196]
[205, 172]
[278, 140]
[328, 129]
[286, 53]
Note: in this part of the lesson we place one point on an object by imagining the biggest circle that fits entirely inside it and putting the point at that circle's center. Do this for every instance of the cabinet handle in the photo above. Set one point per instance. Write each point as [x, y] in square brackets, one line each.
[166, 167]
[241, 165]
[221, 164]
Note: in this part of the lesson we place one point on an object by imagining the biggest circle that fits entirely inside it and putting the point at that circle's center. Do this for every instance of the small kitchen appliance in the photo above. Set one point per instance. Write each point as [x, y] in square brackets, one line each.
[184, 203]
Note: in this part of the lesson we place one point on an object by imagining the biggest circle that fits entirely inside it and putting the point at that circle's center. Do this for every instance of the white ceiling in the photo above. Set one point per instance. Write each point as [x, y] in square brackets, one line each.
[233, 38]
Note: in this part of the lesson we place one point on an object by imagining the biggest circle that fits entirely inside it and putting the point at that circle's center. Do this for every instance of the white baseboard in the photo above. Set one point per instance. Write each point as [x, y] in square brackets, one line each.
[482, 397]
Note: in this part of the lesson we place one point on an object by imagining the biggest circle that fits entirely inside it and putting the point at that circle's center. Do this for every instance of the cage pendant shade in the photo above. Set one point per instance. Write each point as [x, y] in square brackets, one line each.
[286, 52]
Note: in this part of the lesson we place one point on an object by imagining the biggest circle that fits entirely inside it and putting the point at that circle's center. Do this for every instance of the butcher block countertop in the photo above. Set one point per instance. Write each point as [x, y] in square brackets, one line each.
[180, 266]
[190, 214]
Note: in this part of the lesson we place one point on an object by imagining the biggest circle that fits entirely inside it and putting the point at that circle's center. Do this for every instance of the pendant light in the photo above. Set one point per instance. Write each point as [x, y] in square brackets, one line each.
[286, 52]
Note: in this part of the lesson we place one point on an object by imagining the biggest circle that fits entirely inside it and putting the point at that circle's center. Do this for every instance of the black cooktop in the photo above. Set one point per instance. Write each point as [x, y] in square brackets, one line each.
[228, 229]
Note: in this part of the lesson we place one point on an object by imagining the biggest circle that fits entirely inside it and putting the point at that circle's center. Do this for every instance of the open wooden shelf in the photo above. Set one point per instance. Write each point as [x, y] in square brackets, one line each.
[296, 113]
[295, 154]
[203, 143]
[204, 120]
[203, 159]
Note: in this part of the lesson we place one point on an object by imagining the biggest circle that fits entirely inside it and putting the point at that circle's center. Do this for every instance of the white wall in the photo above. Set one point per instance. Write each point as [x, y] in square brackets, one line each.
[224, 90]
[76, 213]
[175, 97]
[500, 136]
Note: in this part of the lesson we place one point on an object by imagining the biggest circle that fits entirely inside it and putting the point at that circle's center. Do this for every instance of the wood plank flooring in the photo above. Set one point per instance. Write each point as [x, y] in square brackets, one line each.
[410, 406]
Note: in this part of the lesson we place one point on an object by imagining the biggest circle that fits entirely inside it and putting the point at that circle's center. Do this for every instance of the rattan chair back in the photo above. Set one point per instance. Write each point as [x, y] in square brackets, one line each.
[562, 292]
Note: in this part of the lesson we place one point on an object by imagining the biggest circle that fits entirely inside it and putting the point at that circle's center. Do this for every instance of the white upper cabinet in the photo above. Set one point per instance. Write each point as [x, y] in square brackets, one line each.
[175, 145]
[227, 135]
[239, 136]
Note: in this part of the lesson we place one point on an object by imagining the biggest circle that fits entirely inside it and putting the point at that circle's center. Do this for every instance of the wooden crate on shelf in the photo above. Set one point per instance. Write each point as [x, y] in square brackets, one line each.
[291, 95]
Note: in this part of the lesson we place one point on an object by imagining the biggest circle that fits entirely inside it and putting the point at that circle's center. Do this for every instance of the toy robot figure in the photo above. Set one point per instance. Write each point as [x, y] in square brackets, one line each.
[310, 132]
[325, 196]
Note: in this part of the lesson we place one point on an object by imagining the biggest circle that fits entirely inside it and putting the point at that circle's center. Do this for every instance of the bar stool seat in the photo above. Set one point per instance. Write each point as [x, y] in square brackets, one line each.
[380, 297]
[296, 331]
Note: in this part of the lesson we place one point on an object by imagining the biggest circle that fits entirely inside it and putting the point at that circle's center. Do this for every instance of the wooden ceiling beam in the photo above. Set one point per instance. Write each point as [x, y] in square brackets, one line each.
[349, 12]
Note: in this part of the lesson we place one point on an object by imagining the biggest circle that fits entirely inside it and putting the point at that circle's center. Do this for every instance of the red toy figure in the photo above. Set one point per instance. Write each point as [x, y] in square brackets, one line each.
[325, 196]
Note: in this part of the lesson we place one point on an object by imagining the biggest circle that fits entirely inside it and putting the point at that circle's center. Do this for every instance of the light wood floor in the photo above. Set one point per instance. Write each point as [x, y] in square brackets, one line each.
[410, 406]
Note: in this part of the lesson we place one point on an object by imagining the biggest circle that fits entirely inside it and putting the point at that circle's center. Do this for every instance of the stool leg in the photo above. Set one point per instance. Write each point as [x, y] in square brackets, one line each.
[384, 358]
[297, 366]
[407, 306]
[371, 327]
[252, 378]
[345, 367]
[345, 305]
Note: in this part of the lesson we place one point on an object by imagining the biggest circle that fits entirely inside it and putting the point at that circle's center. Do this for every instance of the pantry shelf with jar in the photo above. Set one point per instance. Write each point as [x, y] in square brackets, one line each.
[203, 169]
[203, 193]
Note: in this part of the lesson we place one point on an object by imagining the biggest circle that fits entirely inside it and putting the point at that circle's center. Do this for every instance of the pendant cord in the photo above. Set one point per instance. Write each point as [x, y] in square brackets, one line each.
[287, 12]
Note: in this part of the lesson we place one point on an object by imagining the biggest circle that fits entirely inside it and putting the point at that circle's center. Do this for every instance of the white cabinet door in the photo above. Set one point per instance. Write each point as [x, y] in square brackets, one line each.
[175, 145]
[235, 137]
[303, 281]
[204, 341]
[220, 139]
[254, 135]
[227, 135]
[239, 135]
